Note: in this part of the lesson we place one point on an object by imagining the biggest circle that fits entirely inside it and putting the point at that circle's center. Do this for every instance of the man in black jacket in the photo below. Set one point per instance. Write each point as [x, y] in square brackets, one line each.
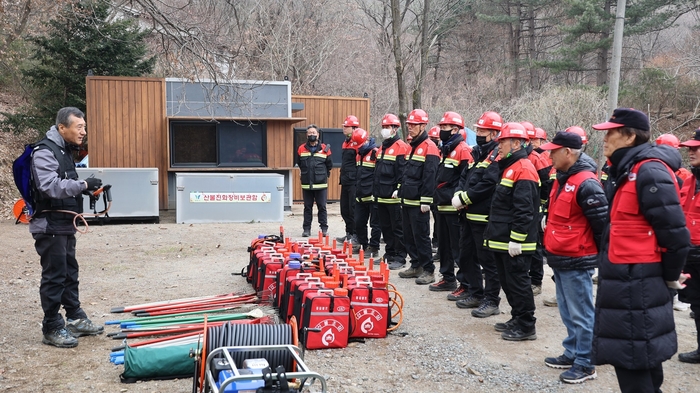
[57, 187]
[642, 254]
[578, 213]
[348, 173]
[315, 165]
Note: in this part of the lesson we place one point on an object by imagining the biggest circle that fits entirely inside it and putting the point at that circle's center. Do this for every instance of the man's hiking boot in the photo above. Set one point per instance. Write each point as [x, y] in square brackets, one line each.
[60, 338]
[83, 327]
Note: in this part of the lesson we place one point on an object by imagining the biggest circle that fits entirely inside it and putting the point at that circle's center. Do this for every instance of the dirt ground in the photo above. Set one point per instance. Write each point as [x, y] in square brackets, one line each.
[438, 348]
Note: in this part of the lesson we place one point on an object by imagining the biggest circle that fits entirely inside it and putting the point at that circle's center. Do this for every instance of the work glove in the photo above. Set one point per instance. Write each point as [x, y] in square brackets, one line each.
[395, 194]
[457, 202]
[93, 183]
[678, 284]
[514, 249]
[544, 222]
[424, 208]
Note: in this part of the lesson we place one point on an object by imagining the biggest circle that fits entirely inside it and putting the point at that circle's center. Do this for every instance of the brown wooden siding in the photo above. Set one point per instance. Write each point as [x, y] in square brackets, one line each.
[126, 125]
[328, 112]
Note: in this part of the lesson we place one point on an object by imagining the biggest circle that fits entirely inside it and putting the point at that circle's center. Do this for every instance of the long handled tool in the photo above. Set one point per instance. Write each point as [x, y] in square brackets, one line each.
[146, 306]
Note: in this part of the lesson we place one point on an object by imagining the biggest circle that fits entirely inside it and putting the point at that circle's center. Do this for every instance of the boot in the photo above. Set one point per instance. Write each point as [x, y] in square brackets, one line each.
[690, 357]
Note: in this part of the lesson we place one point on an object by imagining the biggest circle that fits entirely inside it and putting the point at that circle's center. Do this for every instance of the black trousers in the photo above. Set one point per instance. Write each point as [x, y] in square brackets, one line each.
[436, 231]
[391, 223]
[365, 211]
[490, 287]
[416, 237]
[468, 274]
[448, 244]
[59, 279]
[347, 207]
[319, 196]
[537, 266]
[515, 281]
[640, 381]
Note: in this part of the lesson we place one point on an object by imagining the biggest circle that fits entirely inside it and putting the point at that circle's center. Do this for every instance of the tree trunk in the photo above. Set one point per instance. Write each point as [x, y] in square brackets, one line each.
[398, 59]
[602, 74]
[424, 47]
[514, 36]
[534, 76]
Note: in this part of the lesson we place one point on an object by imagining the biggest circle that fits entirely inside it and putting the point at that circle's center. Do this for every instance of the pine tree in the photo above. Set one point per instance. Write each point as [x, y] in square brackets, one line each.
[78, 40]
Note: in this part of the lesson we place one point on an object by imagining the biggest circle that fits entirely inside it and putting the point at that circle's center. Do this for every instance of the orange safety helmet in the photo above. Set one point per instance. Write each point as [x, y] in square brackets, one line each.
[452, 119]
[540, 133]
[490, 120]
[417, 116]
[390, 119]
[351, 121]
[578, 131]
[513, 130]
[668, 139]
[530, 128]
[359, 136]
[434, 132]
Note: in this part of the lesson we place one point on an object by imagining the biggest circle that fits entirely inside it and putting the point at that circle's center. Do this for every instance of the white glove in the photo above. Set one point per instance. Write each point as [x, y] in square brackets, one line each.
[395, 194]
[424, 208]
[457, 202]
[544, 222]
[515, 249]
[678, 284]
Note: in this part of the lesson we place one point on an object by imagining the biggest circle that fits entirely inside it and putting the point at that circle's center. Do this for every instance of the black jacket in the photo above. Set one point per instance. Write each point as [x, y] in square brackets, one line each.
[388, 169]
[348, 167]
[315, 165]
[455, 159]
[478, 182]
[366, 157]
[634, 326]
[591, 198]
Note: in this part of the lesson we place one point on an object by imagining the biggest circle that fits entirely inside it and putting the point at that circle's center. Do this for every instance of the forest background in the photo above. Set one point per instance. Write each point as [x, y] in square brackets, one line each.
[543, 61]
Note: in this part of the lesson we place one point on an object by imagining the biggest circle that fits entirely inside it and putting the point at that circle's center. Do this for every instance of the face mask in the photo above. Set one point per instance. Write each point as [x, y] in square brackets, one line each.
[312, 138]
[445, 135]
[386, 133]
[481, 140]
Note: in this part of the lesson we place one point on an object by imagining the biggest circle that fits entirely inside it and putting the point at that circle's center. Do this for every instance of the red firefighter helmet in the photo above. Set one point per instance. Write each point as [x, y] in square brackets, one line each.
[434, 132]
[359, 136]
[351, 121]
[490, 120]
[668, 139]
[452, 119]
[578, 131]
[390, 119]
[417, 116]
[530, 128]
[540, 133]
[513, 130]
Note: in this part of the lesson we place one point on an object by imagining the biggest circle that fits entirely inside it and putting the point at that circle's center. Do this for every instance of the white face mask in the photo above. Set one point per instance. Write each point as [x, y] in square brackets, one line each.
[386, 133]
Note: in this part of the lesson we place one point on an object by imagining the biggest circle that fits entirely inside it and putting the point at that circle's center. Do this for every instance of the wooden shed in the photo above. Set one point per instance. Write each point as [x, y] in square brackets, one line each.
[180, 126]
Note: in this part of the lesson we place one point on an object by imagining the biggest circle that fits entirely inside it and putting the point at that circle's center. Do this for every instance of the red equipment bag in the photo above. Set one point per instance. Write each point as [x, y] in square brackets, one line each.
[290, 286]
[281, 279]
[327, 317]
[266, 277]
[370, 310]
[250, 271]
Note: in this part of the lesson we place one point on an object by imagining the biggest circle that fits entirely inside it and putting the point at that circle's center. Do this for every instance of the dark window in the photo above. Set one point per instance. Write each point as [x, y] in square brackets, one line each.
[334, 137]
[222, 144]
[193, 144]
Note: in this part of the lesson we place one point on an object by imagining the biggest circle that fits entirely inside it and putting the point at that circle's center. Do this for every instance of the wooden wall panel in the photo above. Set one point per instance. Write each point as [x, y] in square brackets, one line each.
[127, 125]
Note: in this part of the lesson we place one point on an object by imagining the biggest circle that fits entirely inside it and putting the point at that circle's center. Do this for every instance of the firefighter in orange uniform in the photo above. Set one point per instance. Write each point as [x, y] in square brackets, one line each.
[391, 160]
[416, 193]
[690, 201]
[456, 157]
[672, 140]
[511, 232]
[314, 166]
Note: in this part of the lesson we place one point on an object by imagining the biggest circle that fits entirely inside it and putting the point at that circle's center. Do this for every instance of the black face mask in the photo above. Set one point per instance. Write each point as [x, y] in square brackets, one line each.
[481, 140]
[445, 135]
[312, 138]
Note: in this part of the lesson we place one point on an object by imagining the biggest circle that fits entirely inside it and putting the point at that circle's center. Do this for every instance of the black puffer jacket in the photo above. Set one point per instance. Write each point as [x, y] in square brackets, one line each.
[591, 198]
[634, 326]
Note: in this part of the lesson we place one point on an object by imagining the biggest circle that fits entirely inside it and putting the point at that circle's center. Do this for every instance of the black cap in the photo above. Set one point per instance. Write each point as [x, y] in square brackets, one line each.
[625, 117]
[563, 139]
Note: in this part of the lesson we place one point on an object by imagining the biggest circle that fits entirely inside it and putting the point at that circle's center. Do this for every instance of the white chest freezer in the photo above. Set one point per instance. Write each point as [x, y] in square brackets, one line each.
[134, 191]
[229, 197]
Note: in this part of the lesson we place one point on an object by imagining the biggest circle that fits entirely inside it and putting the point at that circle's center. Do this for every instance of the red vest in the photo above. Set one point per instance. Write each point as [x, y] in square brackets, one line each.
[632, 239]
[568, 232]
[691, 208]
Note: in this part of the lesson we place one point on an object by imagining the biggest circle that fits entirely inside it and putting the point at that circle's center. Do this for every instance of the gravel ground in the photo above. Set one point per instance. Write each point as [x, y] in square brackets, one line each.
[437, 348]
